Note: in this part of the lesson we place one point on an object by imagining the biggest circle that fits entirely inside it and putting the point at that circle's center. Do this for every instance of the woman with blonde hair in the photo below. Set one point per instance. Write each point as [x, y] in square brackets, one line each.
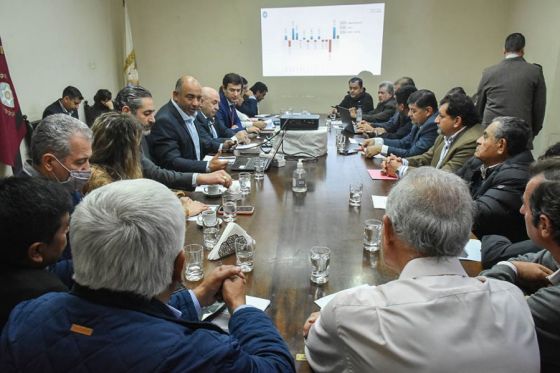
[115, 150]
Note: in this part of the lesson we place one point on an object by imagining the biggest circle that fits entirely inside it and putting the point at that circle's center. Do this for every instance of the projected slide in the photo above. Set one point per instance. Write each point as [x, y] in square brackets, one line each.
[322, 40]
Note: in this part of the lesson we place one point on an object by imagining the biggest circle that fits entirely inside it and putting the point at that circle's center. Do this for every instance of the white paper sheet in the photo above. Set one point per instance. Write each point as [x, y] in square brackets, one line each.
[472, 251]
[222, 319]
[379, 202]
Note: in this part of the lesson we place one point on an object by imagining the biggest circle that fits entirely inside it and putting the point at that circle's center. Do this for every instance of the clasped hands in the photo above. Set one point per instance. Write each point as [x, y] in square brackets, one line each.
[226, 282]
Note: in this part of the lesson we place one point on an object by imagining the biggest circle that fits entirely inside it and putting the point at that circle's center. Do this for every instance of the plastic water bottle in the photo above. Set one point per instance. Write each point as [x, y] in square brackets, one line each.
[358, 115]
[299, 183]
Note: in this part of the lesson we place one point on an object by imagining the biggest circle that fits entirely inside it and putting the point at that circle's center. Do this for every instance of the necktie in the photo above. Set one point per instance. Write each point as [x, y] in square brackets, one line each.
[194, 136]
[231, 116]
[212, 129]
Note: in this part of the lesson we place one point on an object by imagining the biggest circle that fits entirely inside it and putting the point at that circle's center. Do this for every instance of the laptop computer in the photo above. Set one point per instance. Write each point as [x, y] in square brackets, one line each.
[346, 119]
[248, 163]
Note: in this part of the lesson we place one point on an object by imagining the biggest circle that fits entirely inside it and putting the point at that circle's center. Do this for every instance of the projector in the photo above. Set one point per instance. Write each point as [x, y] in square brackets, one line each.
[299, 122]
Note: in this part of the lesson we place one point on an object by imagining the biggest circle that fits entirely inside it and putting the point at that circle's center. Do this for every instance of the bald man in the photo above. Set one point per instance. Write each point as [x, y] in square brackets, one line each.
[209, 128]
[175, 141]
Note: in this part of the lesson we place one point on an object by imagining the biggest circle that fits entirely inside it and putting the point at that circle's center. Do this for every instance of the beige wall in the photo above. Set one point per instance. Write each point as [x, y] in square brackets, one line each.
[538, 21]
[440, 43]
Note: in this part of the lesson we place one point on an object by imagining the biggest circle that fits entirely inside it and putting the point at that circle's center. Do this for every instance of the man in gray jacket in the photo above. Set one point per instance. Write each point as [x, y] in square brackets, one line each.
[513, 87]
[538, 274]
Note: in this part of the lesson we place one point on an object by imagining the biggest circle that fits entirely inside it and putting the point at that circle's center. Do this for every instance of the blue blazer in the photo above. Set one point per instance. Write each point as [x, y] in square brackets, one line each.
[418, 141]
[171, 144]
[249, 107]
[226, 118]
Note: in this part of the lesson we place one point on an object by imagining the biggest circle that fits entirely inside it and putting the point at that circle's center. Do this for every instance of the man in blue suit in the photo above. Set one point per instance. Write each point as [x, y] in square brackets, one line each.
[423, 110]
[230, 92]
[174, 140]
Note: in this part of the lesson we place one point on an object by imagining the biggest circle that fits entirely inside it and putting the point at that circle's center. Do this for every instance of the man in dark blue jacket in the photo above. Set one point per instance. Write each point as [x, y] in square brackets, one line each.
[124, 314]
[230, 92]
[423, 110]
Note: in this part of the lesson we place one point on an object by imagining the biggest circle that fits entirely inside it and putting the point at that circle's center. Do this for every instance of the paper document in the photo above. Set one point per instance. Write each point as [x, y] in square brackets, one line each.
[229, 158]
[322, 302]
[472, 251]
[377, 175]
[379, 202]
[222, 319]
[247, 146]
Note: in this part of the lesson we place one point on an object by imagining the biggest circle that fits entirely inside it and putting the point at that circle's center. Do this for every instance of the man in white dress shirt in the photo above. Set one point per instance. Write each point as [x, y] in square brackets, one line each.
[433, 318]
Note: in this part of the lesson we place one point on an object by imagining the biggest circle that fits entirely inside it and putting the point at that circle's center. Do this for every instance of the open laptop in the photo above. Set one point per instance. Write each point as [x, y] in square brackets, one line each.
[248, 163]
[346, 119]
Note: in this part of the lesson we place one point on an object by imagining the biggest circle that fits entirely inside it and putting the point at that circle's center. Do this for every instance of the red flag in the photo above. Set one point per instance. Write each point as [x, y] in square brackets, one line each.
[12, 127]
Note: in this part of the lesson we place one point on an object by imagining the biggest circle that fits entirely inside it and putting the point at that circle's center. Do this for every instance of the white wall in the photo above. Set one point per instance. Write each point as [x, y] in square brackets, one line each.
[440, 43]
[55, 43]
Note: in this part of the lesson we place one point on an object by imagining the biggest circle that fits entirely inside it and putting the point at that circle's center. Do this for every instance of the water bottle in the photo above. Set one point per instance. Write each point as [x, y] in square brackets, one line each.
[358, 118]
[299, 184]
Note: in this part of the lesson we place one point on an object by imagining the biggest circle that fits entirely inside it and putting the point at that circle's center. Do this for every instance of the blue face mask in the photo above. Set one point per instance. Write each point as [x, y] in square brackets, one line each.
[76, 179]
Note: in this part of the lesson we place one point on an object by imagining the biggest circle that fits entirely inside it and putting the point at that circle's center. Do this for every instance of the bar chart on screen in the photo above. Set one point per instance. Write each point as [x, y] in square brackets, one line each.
[322, 40]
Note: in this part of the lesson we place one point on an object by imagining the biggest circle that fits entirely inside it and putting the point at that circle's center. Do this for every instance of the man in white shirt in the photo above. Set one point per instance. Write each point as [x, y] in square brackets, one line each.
[434, 318]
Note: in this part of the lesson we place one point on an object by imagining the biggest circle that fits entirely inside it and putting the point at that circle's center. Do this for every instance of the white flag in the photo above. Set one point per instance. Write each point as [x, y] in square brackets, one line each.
[130, 71]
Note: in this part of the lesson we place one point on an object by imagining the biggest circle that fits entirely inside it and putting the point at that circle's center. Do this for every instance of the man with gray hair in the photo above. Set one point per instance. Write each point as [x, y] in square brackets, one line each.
[497, 175]
[433, 318]
[124, 313]
[60, 151]
[386, 105]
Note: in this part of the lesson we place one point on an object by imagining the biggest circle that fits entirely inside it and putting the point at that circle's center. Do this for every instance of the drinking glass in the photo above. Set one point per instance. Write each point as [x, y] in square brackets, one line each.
[194, 271]
[259, 168]
[356, 191]
[230, 211]
[245, 183]
[340, 142]
[245, 254]
[372, 234]
[210, 237]
[209, 218]
[320, 257]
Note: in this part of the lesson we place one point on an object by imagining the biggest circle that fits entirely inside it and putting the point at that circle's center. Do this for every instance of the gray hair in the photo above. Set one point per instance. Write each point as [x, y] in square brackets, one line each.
[126, 235]
[388, 86]
[432, 211]
[53, 135]
[517, 133]
[131, 96]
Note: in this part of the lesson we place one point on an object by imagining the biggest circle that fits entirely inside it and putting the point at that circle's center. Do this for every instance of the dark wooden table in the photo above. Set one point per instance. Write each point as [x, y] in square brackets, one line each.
[286, 225]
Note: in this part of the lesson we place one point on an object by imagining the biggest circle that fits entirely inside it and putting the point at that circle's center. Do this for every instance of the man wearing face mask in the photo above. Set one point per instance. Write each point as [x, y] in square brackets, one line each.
[60, 151]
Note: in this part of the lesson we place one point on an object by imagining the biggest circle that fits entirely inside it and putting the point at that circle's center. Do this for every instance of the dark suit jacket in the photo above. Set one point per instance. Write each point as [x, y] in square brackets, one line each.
[56, 108]
[419, 140]
[460, 151]
[496, 248]
[498, 197]
[171, 144]
[169, 178]
[226, 118]
[249, 107]
[203, 125]
[365, 101]
[397, 127]
[383, 111]
[513, 88]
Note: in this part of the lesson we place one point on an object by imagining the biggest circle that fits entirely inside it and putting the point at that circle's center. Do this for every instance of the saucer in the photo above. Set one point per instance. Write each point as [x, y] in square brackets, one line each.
[199, 221]
[220, 191]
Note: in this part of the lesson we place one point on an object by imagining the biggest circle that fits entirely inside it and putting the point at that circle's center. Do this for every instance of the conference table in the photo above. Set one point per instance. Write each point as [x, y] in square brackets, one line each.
[286, 225]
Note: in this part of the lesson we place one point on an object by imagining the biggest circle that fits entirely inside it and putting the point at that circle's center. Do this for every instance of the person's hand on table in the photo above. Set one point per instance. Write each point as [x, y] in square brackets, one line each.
[216, 163]
[229, 145]
[390, 165]
[364, 126]
[379, 131]
[217, 177]
[259, 124]
[368, 142]
[372, 150]
[242, 137]
[233, 292]
[211, 287]
[253, 129]
[532, 273]
[309, 322]
[191, 207]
